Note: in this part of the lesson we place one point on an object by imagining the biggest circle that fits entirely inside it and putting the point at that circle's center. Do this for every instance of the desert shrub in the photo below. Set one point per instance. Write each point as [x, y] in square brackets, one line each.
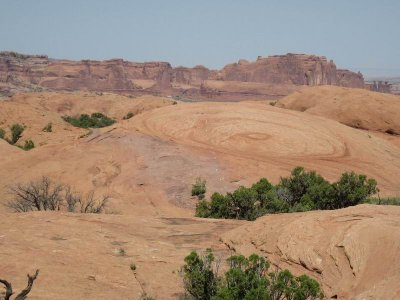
[16, 132]
[47, 195]
[40, 195]
[246, 278]
[199, 188]
[218, 207]
[91, 205]
[301, 183]
[301, 191]
[352, 189]
[48, 127]
[244, 203]
[199, 278]
[29, 144]
[95, 120]
[2, 133]
[128, 116]
[84, 204]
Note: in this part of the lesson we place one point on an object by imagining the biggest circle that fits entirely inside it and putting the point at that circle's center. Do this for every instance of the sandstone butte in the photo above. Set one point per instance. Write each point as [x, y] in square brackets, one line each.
[266, 78]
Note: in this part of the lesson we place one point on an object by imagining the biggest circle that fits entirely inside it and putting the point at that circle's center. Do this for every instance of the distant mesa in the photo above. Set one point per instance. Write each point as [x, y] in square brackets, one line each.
[266, 78]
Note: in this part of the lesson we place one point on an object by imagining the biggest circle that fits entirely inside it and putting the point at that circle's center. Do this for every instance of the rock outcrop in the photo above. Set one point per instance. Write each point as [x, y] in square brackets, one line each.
[298, 69]
[29, 72]
[357, 108]
[350, 79]
[379, 86]
[115, 75]
[350, 251]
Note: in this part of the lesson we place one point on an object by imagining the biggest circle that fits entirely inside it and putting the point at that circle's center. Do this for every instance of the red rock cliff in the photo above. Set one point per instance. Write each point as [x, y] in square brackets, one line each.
[298, 69]
[117, 75]
[110, 75]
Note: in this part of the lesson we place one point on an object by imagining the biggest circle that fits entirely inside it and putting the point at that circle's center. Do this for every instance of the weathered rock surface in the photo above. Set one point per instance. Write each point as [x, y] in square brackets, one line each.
[114, 75]
[299, 69]
[32, 72]
[353, 107]
[350, 251]
[147, 165]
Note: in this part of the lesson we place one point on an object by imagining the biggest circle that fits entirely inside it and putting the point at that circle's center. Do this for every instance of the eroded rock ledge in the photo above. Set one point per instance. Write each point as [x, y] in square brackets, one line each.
[33, 72]
[341, 248]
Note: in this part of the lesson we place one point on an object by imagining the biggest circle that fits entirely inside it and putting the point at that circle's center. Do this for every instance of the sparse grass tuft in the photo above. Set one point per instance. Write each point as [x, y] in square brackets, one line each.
[383, 201]
[133, 266]
[128, 116]
[199, 188]
[29, 144]
[48, 127]
[121, 252]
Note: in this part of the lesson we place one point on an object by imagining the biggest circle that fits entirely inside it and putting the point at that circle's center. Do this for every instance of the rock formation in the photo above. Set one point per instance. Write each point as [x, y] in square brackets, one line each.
[299, 69]
[379, 86]
[114, 75]
[357, 108]
[29, 72]
[350, 251]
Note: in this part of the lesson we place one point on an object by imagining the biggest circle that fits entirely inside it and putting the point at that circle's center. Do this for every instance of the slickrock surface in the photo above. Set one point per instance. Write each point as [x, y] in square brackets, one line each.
[354, 107]
[352, 251]
[147, 165]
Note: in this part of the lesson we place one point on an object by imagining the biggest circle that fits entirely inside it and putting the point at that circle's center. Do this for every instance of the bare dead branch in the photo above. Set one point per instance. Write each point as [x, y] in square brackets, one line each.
[91, 205]
[26, 291]
[8, 286]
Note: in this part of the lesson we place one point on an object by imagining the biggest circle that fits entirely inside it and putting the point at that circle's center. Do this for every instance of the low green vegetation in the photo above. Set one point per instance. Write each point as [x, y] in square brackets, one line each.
[121, 252]
[95, 120]
[29, 144]
[301, 191]
[16, 133]
[199, 188]
[246, 278]
[48, 127]
[128, 116]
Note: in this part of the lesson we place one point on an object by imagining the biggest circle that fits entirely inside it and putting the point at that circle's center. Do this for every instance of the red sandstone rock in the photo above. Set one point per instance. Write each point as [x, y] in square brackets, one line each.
[116, 75]
[299, 69]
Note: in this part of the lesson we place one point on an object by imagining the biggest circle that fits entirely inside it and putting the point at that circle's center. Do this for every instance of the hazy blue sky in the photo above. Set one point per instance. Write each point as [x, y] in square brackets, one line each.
[356, 34]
